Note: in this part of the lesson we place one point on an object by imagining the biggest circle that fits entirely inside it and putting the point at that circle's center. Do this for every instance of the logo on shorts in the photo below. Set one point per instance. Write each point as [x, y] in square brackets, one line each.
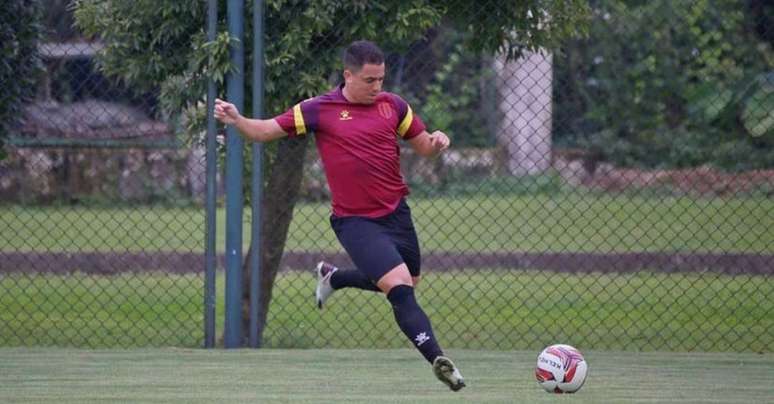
[344, 115]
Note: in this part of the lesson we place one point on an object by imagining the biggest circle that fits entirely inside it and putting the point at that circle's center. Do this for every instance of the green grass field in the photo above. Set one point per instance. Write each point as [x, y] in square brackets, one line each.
[506, 316]
[476, 309]
[564, 222]
[39, 375]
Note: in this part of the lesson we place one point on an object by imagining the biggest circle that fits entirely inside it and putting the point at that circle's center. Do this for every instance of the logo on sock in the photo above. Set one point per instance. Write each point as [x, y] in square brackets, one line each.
[421, 338]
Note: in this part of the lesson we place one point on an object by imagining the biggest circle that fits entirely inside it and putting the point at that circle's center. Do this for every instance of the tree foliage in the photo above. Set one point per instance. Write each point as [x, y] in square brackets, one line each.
[664, 84]
[20, 31]
[162, 45]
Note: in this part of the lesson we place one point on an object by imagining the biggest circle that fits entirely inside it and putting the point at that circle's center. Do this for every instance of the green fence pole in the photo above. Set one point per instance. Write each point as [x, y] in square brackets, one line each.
[211, 158]
[232, 335]
[257, 179]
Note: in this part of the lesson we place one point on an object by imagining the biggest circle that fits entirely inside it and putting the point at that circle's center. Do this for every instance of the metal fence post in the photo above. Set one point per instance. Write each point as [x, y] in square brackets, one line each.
[211, 159]
[234, 197]
[257, 178]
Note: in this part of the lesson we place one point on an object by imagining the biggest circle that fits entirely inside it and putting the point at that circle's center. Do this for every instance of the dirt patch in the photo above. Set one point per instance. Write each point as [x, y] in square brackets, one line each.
[120, 263]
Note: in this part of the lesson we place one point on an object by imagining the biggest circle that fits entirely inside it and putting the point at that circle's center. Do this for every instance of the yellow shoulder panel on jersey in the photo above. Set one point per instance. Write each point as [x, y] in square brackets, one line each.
[405, 124]
[298, 119]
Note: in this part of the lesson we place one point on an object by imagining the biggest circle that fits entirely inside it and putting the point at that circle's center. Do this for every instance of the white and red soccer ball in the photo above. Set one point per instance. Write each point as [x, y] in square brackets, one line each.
[561, 369]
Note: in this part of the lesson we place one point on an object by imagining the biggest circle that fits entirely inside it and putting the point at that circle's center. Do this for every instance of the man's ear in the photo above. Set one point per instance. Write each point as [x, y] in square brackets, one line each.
[347, 75]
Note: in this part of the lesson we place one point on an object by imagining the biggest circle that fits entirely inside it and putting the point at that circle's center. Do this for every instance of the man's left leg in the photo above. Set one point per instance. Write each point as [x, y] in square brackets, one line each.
[412, 320]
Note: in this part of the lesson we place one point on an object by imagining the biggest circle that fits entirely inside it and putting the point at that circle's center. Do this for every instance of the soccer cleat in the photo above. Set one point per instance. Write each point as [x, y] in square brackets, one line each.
[446, 372]
[324, 289]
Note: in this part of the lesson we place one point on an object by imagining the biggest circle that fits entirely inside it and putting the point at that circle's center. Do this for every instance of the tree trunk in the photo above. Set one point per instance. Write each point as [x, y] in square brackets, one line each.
[279, 198]
[525, 102]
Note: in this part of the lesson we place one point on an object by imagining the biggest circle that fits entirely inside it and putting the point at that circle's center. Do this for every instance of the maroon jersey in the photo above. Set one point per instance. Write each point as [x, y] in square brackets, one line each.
[358, 147]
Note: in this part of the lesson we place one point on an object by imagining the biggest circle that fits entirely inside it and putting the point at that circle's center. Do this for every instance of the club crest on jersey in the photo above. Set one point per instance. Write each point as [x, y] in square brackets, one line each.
[385, 110]
[344, 115]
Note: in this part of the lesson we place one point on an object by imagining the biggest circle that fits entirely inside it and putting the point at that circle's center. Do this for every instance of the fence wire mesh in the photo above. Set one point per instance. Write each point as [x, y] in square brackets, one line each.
[611, 191]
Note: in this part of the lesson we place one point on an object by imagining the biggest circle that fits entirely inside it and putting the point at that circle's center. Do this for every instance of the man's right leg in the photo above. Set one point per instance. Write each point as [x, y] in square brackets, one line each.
[331, 278]
[369, 247]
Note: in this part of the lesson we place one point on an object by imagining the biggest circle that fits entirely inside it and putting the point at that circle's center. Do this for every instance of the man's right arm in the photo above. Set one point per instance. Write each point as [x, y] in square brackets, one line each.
[259, 130]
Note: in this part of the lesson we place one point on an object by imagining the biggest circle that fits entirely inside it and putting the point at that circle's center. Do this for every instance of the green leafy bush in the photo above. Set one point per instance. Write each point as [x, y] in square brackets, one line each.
[459, 94]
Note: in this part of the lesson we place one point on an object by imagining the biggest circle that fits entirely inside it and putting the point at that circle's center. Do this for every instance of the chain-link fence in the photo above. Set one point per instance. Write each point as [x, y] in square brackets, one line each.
[102, 226]
[610, 188]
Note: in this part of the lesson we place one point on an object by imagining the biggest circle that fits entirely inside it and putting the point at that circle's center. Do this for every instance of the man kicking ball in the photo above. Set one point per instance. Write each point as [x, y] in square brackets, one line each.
[356, 127]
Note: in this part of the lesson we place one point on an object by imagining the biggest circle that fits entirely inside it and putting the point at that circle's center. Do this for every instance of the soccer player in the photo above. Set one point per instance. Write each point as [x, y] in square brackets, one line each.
[357, 127]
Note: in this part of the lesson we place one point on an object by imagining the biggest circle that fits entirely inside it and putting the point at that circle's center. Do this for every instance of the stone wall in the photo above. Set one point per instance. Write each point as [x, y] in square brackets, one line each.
[44, 175]
[30, 175]
[581, 169]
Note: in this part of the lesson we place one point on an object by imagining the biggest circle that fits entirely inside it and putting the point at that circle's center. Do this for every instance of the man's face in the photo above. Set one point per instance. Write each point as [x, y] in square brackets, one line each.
[363, 86]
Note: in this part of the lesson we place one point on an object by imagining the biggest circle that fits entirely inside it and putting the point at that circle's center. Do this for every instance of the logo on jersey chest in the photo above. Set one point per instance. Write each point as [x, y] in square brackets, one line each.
[344, 115]
[385, 110]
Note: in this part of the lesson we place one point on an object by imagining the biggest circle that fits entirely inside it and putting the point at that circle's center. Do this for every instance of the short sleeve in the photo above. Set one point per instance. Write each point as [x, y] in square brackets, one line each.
[409, 123]
[300, 119]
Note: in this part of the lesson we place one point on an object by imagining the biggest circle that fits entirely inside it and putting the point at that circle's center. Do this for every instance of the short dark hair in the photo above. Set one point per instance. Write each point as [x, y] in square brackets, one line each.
[359, 53]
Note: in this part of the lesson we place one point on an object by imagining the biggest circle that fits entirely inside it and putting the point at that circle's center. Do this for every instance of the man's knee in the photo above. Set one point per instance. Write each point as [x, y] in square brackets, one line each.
[399, 275]
[415, 281]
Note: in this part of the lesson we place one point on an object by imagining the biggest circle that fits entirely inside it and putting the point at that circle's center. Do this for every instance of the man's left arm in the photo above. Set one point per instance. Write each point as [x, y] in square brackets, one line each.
[429, 144]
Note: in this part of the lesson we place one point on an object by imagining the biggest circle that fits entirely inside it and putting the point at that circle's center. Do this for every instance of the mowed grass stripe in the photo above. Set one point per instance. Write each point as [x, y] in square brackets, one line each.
[358, 376]
[565, 222]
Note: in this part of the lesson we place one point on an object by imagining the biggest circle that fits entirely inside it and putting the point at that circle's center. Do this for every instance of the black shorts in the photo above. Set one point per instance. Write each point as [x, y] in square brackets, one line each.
[378, 245]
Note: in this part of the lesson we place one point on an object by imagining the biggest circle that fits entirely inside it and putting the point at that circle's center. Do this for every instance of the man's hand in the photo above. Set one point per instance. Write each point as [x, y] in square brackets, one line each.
[439, 141]
[258, 130]
[226, 112]
[429, 144]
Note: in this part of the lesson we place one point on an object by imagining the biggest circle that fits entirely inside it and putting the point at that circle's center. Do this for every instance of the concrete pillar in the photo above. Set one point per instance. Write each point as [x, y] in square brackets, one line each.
[525, 104]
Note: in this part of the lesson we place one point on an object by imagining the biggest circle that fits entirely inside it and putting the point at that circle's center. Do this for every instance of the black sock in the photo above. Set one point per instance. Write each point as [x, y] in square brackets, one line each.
[413, 321]
[352, 279]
